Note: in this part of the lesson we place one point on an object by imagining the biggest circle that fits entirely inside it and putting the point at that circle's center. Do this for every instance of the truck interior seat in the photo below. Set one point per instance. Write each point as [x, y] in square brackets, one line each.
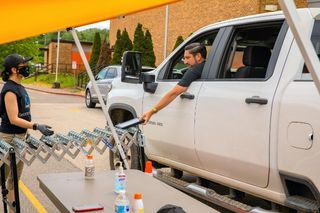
[256, 61]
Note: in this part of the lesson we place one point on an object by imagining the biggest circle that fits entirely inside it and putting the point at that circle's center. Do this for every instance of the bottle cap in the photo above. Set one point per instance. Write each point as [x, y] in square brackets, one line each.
[90, 156]
[137, 196]
[148, 168]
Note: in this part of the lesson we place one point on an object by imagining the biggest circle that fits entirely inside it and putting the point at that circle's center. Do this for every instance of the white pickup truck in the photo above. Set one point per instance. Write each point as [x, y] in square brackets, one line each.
[250, 123]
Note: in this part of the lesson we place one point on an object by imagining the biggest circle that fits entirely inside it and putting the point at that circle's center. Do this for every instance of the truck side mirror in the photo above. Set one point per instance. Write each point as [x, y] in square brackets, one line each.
[149, 84]
[131, 67]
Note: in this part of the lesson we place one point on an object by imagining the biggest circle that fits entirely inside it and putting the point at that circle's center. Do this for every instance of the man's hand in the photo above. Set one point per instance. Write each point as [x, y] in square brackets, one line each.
[44, 129]
[146, 116]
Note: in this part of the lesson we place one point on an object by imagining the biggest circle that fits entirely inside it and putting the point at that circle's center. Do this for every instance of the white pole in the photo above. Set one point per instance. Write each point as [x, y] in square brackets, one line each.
[166, 33]
[103, 105]
[57, 60]
[303, 40]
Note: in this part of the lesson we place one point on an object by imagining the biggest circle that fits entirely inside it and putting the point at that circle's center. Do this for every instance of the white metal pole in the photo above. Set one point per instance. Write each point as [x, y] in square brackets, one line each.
[165, 49]
[103, 105]
[303, 40]
[57, 59]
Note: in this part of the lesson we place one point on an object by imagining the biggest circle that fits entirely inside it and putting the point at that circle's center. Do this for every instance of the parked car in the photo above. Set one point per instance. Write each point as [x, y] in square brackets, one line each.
[104, 79]
[250, 123]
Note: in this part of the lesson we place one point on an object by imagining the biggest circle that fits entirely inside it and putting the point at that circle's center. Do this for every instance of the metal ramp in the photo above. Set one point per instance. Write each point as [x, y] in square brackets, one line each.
[72, 144]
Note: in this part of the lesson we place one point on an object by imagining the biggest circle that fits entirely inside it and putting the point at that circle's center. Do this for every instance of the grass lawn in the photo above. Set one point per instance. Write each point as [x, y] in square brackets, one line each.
[65, 80]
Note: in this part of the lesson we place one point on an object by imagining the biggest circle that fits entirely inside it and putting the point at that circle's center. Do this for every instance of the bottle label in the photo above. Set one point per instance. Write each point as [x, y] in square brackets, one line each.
[120, 184]
[139, 210]
[89, 172]
[121, 209]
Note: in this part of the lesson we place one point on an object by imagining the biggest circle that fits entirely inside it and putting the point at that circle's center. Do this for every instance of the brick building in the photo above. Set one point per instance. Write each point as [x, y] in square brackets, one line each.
[68, 55]
[187, 16]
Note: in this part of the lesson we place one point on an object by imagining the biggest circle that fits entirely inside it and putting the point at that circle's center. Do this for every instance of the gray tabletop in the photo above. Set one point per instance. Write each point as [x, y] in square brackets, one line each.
[66, 190]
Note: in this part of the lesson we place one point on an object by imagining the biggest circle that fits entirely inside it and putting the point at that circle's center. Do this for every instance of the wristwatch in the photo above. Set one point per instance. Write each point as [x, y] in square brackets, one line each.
[154, 110]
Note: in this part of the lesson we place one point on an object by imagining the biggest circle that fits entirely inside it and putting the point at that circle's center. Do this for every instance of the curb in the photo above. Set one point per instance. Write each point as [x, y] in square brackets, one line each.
[55, 93]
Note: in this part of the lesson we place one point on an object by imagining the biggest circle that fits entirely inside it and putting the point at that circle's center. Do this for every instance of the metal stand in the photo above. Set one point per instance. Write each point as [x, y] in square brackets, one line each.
[140, 141]
[13, 166]
[16, 202]
[4, 189]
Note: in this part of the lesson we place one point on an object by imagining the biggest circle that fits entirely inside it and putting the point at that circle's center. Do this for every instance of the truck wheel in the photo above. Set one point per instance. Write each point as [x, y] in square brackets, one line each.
[88, 100]
[132, 156]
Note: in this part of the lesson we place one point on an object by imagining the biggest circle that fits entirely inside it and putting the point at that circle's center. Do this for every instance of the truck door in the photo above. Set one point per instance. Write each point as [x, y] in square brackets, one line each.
[170, 132]
[232, 121]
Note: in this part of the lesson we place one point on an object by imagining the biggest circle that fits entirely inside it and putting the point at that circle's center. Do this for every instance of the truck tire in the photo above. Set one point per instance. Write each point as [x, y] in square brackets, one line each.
[118, 116]
[88, 100]
[132, 157]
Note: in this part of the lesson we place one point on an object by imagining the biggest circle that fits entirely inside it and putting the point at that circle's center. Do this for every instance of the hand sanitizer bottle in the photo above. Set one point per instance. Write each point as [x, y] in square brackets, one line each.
[120, 180]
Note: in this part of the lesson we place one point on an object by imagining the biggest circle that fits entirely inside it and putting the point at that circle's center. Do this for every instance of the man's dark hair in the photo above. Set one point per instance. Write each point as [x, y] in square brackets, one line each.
[195, 48]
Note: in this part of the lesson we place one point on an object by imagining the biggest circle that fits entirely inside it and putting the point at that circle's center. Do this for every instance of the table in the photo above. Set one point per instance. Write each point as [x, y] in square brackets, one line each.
[72, 189]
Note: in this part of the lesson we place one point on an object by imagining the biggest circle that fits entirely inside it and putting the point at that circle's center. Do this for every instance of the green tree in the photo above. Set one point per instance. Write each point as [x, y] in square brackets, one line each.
[148, 58]
[178, 42]
[105, 55]
[95, 51]
[116, 59]
[126, 41]
[84, 35]
[26, 47]
[138, 41]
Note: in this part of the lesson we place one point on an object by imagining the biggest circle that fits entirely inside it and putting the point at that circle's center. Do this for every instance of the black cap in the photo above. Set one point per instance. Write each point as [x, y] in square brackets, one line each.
[10, 61]
[14, 60]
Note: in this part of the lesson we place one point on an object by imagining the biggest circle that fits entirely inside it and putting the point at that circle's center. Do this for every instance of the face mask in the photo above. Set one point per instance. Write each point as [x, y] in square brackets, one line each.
[24, 71]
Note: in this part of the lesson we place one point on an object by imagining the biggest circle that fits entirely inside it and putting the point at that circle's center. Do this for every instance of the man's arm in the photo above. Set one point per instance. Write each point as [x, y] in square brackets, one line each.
[167, 99]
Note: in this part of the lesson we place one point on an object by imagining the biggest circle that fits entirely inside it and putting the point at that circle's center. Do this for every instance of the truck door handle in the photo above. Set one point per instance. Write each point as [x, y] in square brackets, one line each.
[187, 96]
[256, 100]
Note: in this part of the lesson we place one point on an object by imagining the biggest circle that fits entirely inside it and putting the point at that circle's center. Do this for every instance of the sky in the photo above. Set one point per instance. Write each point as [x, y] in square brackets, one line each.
[100, 25]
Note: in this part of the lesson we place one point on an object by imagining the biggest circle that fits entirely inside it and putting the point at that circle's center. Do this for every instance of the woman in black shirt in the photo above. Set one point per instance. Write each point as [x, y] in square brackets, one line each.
[15, 108]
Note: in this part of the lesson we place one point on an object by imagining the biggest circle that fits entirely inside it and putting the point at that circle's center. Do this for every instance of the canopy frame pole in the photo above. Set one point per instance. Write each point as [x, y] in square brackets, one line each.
[103, 105]
[303, 40]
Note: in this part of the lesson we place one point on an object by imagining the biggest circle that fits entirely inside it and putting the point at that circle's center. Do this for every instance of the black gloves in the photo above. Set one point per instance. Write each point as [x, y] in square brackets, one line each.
[44, 129]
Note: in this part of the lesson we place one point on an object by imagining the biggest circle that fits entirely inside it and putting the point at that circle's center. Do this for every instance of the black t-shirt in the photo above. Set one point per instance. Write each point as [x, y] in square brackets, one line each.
[192, 74]
[23, 101]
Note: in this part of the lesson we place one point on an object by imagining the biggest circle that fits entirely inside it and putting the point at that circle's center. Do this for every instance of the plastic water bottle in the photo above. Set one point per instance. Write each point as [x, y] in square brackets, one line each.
[121, 204]
[89, 168]
[120, 180]
[137, 203]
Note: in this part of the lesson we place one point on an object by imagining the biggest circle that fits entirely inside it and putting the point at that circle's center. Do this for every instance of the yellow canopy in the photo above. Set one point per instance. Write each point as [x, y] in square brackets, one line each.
[21, 19]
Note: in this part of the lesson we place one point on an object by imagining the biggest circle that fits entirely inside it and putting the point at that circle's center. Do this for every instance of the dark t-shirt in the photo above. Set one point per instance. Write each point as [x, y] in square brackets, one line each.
[192, 74]
[23, 101]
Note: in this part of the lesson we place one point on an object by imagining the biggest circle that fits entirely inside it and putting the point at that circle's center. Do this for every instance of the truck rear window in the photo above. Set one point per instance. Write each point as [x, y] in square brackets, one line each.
[315, 39]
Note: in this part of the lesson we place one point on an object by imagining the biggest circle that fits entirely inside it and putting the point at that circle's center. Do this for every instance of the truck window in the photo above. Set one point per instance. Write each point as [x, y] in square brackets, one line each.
[176, 68]
[112, 73]
[315, 39]
[249, 51]
[101, 75]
